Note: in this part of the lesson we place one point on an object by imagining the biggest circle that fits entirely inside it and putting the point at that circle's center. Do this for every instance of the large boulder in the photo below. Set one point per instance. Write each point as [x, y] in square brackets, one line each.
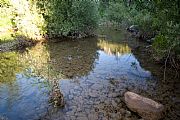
[145, 107]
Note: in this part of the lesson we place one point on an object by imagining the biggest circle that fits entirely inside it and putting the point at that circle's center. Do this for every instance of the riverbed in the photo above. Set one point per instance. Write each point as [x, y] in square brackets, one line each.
[92, 75]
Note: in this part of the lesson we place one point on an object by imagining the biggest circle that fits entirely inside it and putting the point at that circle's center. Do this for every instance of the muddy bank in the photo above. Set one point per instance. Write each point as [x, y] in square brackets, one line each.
[170, 59]
[71, 36]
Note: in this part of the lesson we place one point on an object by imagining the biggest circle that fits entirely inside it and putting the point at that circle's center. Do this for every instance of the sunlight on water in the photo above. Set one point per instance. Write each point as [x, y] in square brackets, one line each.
[114, 48]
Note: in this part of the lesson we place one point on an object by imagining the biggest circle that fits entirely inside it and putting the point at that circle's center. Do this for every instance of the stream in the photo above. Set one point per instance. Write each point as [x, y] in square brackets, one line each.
[92, 74]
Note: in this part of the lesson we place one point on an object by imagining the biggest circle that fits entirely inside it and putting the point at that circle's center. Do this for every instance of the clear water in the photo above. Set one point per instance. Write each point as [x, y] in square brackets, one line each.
[92, 73]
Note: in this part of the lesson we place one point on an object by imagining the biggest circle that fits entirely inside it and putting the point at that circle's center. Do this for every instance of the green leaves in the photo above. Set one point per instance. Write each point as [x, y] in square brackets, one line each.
[68, 16]
[53, 17]
[161, 42]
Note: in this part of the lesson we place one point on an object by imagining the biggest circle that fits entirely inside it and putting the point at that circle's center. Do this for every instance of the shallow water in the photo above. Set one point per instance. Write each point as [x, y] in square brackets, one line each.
[92, 73]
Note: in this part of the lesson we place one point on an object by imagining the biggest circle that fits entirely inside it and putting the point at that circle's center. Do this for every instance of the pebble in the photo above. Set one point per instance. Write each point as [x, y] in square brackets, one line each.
[82, 118]
[93, 94]
[114, 103]
[70, 113]
[95, 86]
[92, 117]
[70, 97]
[112, 95]
[122, 111]
[128, 114]
[73, 117]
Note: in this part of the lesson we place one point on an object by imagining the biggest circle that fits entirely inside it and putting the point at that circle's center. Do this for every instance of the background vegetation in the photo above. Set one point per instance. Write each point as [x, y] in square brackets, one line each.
[37, 18]
[158, 19]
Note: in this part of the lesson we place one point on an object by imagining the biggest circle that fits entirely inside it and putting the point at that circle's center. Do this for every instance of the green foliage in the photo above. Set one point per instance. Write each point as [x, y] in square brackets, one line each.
[4, 3]
[160, 16]
[120, 13]
[67, 16]
[27, 18]
[86, 16]
[103, 7]
[161, 45]
[34, 19]
[161, 42]
[20, 17]
[117, 12]
[5, 21]
[144, 20]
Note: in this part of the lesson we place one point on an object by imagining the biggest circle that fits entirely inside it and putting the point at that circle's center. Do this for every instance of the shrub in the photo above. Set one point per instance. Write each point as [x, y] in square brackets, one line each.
[117, 12]
[33, 18]
[21, 17]
[63, 17]
[159, 17]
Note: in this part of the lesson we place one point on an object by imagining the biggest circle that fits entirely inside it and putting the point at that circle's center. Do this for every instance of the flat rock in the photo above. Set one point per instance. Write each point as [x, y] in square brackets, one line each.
[148, 109]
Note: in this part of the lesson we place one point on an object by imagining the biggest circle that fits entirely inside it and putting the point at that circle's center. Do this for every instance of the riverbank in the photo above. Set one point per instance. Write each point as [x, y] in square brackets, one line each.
[167, 91]
[20, 43]
[168, 58]
[17, 45]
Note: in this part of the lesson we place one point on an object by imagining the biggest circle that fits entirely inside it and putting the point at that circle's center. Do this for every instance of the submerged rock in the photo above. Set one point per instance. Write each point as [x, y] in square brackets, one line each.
[145, 107]
[57, 98]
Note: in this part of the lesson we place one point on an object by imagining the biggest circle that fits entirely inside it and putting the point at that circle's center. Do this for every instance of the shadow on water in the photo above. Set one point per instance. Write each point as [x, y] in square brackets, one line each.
[73, 58]
[90, 74]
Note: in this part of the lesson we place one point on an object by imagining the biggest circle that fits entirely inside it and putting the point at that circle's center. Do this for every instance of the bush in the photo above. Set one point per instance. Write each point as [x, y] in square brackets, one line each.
[118, 13]
[34, 19]
[5, 21]
[159, 17]
[63, 17]
[21, 17]
[161, 45]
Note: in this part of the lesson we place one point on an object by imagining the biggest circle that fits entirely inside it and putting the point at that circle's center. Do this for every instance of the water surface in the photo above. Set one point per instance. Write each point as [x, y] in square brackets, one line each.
[92, 74]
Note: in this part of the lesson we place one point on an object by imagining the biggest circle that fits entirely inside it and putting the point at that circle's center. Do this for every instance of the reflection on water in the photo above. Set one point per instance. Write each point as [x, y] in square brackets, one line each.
[112, 48]
[23, 99]
[9, 66]
[33, 61]
[23, 80]
[88, 70]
